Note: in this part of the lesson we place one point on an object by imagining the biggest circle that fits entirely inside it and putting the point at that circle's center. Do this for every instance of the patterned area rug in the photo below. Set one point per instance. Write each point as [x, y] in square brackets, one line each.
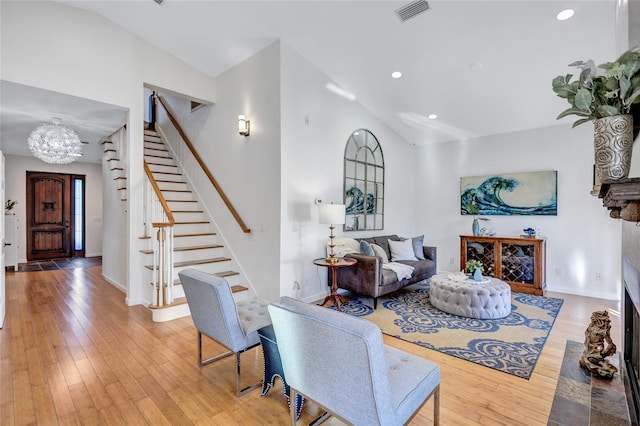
[511, 344]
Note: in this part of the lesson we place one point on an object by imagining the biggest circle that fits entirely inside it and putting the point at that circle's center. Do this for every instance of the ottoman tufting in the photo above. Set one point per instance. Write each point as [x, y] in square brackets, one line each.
[488, 299]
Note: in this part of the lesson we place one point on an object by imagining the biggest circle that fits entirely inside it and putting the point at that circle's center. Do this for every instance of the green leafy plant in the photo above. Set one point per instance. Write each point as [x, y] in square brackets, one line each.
[10, 204]
[595, 94]
[472, 265]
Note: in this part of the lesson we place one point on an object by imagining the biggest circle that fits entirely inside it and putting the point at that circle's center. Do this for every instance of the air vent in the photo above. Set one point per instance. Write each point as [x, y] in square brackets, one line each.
[159, 2]
[412, 9]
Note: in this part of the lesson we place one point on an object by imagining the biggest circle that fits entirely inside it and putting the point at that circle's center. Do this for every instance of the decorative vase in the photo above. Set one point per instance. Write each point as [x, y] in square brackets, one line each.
[613, 143]
[475, 227]
[477, 275]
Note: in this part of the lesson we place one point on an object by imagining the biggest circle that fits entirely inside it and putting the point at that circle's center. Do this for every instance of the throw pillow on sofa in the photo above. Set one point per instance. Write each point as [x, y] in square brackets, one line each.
[379, 251]
[365, 248]
[417, 247]
[401, 250]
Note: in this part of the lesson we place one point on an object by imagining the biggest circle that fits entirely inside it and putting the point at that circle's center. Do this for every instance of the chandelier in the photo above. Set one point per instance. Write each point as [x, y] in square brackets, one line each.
[54, 143]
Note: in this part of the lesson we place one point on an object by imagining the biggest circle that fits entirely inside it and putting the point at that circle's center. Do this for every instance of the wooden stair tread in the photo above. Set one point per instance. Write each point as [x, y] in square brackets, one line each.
[105, 142]
[194, 262]
[158, 156]
[187, 248]
[167, 173]
[109, 150]
[174, 190]
[160, 164]
[225, 274]
[176, 302]
[187, 211]
[181, 201]
[201, 234]
[238, 288]
[198, 222]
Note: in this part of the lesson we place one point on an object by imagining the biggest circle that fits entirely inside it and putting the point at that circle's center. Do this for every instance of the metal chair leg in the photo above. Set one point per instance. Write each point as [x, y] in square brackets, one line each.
[201, 362]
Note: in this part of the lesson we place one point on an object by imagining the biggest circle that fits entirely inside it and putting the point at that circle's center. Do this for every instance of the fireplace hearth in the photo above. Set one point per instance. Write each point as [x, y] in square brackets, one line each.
[631, 337]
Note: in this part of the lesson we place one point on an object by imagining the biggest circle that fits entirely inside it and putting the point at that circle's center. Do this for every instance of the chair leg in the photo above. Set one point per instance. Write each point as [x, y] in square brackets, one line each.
[213, 358]
[240, 392]
[293, 394]
[436, 406]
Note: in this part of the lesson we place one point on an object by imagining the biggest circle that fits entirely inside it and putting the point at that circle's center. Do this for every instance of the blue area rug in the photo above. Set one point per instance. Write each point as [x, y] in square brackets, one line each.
[511, 344]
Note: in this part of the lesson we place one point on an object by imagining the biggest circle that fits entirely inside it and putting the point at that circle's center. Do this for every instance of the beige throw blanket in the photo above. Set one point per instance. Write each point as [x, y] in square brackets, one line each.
[345, 246]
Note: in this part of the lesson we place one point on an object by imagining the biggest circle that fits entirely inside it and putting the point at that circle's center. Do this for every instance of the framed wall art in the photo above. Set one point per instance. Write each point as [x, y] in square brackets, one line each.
[508, 194]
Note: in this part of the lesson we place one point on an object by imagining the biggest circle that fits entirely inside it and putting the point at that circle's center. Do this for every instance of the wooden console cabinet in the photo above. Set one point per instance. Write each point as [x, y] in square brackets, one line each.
[518, 261]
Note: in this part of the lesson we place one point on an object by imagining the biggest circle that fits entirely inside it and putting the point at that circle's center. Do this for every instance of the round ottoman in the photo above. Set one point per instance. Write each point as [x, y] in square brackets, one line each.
[488, 299]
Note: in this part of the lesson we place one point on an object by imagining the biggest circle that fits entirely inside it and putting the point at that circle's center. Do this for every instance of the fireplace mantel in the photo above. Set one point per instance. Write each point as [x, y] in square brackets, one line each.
[622, 198]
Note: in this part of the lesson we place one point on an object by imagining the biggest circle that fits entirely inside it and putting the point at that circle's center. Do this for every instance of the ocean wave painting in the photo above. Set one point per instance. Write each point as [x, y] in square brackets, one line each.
[528, 194]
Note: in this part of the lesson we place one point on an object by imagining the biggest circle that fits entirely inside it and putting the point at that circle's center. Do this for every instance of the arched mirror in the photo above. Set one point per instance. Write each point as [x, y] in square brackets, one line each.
[363, 182]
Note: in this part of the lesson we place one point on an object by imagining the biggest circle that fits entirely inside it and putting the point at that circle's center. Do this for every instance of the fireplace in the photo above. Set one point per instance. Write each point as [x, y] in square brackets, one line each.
[631, 337]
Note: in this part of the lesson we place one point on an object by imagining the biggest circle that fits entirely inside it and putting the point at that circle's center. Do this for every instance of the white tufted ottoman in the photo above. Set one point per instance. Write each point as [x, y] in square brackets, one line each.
[489, 299]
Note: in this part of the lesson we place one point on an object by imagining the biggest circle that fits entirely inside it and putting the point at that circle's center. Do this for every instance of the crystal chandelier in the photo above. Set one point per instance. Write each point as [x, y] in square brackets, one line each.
[55, 144]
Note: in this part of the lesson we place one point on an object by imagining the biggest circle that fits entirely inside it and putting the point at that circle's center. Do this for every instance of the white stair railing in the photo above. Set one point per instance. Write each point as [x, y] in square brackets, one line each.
[158, 224]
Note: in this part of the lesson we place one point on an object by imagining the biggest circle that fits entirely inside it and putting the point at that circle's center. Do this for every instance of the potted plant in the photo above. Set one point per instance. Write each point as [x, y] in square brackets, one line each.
[9, 205]
[475, 268]
[606, 98]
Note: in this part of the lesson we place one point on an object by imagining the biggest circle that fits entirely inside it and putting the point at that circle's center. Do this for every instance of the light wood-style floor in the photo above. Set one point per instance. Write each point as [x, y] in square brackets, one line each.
[72, 352]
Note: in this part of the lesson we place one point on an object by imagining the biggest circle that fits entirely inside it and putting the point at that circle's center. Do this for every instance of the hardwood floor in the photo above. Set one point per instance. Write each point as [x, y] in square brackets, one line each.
[72, 352]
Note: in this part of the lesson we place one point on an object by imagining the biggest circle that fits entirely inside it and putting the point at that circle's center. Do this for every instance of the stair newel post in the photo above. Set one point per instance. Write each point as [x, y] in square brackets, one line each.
[152, 111]
[157, 265]
[162, 265]
[169, 266]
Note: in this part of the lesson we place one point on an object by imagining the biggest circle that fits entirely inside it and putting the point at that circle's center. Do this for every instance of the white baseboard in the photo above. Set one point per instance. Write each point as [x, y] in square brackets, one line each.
[115, 283]
[170, 313]
[568, 290]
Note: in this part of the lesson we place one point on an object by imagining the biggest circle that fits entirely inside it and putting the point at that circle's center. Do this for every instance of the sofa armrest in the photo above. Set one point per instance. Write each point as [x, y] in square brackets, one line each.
[364, 277]
[430, 253]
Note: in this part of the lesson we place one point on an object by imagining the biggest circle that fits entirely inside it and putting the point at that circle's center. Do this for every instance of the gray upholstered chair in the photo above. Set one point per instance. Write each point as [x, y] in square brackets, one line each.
[340, 362]
[216, 315]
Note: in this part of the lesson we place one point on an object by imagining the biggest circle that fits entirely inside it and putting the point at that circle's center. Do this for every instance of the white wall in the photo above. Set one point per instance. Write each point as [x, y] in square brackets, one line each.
[56, 47]
[581, 239]
[247, 168]
[312, 167]
[16, 168]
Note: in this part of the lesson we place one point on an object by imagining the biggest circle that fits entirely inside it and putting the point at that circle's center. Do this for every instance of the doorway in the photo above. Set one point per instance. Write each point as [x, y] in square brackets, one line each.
[55, 215]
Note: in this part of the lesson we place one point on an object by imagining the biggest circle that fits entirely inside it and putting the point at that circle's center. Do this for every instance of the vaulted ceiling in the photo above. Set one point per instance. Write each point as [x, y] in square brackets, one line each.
[484, 67]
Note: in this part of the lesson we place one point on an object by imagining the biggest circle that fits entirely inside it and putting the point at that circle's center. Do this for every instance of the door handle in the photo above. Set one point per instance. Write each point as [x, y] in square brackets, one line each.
[7, 244]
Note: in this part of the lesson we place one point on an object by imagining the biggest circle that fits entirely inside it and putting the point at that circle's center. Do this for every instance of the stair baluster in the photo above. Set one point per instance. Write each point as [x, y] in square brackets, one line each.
[162, 220]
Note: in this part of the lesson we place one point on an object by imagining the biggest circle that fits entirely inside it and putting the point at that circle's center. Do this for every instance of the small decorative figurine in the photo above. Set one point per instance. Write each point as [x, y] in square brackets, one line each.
[530, 232]
[598, 345]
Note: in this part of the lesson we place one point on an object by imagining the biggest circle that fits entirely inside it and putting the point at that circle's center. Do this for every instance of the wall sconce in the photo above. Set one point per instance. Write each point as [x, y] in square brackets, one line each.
[243, 125]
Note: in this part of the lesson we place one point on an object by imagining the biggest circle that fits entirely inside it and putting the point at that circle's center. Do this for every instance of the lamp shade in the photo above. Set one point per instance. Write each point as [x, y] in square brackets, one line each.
[332, 214]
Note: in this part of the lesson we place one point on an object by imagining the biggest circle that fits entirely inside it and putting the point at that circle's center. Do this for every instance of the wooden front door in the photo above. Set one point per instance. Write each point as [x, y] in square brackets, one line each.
[49, 233]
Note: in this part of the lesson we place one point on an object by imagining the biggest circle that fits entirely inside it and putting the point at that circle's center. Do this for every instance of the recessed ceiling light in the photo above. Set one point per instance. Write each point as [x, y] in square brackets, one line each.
[563, 15]
[432, 116]
[396, 74]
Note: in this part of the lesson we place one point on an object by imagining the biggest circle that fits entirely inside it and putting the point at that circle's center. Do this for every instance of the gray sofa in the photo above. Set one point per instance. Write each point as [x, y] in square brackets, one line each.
[368, 278]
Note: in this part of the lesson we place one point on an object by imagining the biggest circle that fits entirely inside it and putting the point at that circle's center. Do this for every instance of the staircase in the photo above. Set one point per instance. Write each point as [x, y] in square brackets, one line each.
[195, 241]
[113, 162]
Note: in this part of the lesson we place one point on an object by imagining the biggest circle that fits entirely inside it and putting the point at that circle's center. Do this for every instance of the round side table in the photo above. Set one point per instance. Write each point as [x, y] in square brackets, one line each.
[343, 262]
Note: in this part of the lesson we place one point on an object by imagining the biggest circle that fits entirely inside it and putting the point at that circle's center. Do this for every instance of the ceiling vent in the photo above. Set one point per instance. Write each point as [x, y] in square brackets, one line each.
[159, 2]
[412, 9]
